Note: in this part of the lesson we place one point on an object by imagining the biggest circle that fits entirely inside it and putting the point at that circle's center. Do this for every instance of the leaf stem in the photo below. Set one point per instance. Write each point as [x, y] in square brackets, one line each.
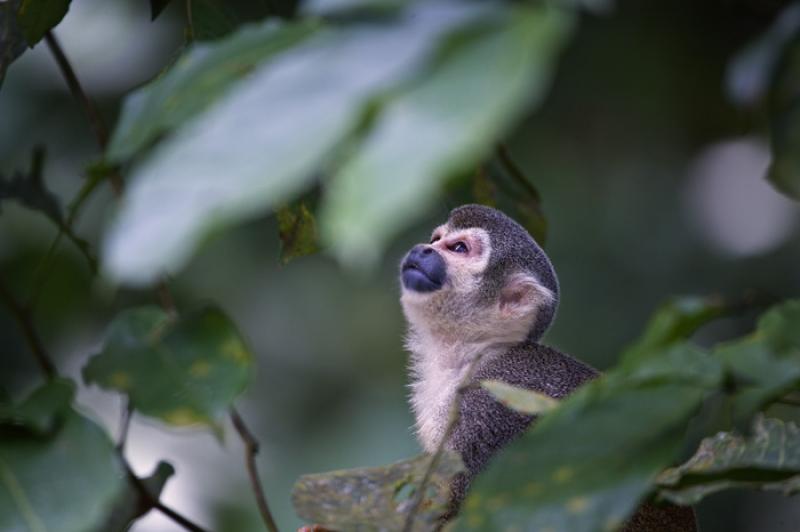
[455, 415]
[24, 319]
[251, 450]
[75, 87]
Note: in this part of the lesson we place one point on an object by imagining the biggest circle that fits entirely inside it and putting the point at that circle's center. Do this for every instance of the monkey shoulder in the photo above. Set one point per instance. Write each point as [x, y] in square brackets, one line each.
[540, 368]
[485, 425]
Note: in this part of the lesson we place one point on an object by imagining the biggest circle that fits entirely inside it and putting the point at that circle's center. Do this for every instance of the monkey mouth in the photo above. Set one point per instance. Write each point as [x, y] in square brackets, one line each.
[415, 278]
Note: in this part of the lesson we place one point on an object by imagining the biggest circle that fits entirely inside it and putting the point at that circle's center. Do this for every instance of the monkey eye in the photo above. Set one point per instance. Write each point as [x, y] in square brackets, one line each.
[436, 238]
[458, 247]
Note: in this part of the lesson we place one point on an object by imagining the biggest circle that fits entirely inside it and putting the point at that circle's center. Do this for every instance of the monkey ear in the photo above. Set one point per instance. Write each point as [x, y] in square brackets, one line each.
[522, 295]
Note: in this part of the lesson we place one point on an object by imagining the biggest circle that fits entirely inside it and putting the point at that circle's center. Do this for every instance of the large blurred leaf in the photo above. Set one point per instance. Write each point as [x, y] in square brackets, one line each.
[768, 458]
[12, 41]
[376, 498]
[195, 81]
[64, 480]
[586, 465]
[442, 124]
[37, 17]
[183, 371]
[262, 141]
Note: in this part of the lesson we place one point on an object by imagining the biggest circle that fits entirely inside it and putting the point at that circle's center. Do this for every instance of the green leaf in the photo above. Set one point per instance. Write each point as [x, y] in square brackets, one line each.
[520, 399]
[675, 320]
[12, 41]
[376, 498]
[587, 464]
[766, 365]
[779, 328]
[131, 504]
[298, 231]
[156, 7]
[184, 371]
[442, 124]
[261, 143]
[201, 75]
[65, 480]
[37, 17]
[766, 459]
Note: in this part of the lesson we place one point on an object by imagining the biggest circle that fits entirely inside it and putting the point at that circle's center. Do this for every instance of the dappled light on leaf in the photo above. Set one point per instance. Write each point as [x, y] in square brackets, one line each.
[376, 498]
[766, 458]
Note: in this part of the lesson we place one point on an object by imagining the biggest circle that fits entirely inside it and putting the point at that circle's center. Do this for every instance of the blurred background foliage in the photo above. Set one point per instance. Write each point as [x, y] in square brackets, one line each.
[650, 155]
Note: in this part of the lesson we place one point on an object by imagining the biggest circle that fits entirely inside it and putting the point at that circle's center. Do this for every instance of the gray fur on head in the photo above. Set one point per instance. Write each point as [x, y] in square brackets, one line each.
[513, 251]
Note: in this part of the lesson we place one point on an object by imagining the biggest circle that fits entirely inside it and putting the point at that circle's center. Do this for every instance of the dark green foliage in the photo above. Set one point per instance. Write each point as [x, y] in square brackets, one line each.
[156, 7]
[37, 17]
[12, 40]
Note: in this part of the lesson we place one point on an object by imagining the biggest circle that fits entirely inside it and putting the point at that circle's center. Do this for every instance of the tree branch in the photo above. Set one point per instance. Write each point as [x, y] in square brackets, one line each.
[23, 318]
[166, 301]
[455, 415]
[251, 450]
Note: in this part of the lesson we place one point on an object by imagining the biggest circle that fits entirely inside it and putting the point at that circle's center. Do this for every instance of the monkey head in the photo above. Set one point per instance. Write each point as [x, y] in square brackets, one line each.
[482, 278]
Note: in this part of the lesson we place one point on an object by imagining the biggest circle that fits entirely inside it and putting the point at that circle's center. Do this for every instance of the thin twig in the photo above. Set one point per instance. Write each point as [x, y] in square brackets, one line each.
[95, 120]
[515, 171]
[23, 317]
[189, 21]
[124, 426]
[455, 416]
[251, 450]
[155, 503]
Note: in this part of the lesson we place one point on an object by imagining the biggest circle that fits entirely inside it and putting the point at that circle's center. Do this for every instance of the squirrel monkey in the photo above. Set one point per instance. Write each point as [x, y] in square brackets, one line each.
[483, 287]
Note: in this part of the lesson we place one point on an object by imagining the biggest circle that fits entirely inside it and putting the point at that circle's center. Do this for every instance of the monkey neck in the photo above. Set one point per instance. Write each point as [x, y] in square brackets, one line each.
[439, 364]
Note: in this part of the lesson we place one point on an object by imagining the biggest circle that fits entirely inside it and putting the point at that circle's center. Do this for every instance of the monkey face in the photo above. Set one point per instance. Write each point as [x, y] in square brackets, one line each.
[440, 280]
[452, 261]
[452, 289]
